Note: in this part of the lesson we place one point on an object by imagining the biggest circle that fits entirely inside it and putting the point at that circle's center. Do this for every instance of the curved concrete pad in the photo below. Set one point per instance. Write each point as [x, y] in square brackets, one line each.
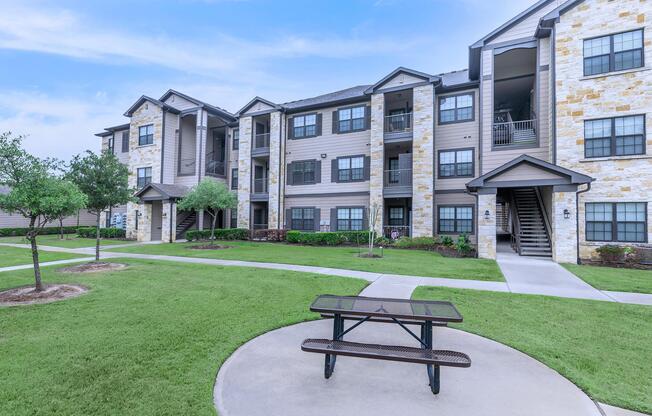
[270, 375]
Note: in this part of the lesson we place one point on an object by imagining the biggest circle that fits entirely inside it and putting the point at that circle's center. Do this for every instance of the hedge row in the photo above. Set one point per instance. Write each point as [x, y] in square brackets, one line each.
[10, 232]
[333, 238]
[220, 234]
[109, 232]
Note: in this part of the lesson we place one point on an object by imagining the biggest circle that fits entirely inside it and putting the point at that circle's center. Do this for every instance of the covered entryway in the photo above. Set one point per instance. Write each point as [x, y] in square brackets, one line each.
[530, 206]
[157, 212]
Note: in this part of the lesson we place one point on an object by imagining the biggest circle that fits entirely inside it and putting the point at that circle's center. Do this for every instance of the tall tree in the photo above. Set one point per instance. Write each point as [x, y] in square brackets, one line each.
[34, 192]
[104, 180]
[211, 197]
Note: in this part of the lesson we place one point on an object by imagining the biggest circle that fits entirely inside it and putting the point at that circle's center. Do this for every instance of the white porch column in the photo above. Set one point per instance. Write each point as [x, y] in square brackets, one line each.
[564, 230]
[377, 149]
[487, 224]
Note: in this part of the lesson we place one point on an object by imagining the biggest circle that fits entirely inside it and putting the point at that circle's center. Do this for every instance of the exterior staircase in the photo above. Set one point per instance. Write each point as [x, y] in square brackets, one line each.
[534, 239]
[185, 224]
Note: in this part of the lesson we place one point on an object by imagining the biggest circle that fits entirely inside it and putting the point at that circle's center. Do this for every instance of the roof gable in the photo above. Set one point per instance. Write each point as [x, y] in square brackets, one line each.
[135, 106]
[258, 104]
[402, 76]
[159, 191]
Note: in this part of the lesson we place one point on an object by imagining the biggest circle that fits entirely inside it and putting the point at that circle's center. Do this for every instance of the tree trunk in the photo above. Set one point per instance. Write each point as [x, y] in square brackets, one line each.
[97, 238]
[214, 220]
[61, 228]
[31, 235]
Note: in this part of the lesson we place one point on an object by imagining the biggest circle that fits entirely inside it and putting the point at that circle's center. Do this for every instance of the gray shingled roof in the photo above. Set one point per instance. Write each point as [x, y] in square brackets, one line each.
[167, 190]
[450, 79]
[342, 95]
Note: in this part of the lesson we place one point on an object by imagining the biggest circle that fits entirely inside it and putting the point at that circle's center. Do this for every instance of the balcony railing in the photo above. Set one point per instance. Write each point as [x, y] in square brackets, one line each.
[261, 141]
[397, 178]
[398, 123]
[187, 166]
[395, 232]
[215, 167]
[260, 186]
[514, 133]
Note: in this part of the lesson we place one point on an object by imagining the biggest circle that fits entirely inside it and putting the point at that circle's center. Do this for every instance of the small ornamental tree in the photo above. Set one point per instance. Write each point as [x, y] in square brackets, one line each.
[104, 180]
[374, 213]
[210, 196]
[34, 192]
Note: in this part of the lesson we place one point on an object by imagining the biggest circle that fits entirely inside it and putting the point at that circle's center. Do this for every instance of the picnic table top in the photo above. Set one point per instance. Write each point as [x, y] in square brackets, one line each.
[425, 310]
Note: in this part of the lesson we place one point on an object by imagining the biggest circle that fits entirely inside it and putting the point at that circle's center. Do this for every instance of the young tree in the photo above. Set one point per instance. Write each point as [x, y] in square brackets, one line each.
[104, 180]
[374, 212]
[210, 196]
[35, 192]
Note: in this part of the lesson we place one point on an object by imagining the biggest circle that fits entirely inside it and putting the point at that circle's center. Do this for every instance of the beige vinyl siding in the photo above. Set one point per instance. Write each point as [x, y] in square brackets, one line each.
[401, 80]
[524, 172]
[188, 151]
[325, 204]
[456, 199]
[179, 103]
[463, 135]
[18, 221]
[334, 146]
[258, 106]
[527, 26]
[170, 150]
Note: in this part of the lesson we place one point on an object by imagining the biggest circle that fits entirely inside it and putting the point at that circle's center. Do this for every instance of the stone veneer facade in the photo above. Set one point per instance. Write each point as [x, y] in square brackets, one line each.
[274, 173]
[244, 172]
[377, 153]
[579, 98]
[423, 161]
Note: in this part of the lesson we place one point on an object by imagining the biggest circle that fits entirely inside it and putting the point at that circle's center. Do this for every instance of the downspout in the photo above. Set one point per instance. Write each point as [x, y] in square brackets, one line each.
[163, 145]
[577, 218]
[171, 229]
[553, 71]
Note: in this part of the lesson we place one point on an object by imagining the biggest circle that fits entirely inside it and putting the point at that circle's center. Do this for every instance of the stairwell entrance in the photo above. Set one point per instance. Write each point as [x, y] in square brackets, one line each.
[523, 219]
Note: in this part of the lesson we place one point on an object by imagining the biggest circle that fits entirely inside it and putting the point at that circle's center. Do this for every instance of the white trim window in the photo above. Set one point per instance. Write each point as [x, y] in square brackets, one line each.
[144, 177]
[304, 126]
[350, 169]
[146, 135]
[456, 108]
[350, 219]
[351, 119]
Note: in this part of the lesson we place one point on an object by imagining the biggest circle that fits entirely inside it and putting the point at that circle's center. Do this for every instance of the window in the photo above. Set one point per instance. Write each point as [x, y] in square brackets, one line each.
[234, 178]
[350, 169]
[303, 172]
[620, 221]
[234, 218]
[456, 163]
[111, 144]
[456, 108]
[455, 220]
[236, 139]
[395, 216]
[613, 53]
[619, 136]
[145, 135]
[125, 141]
[350, 219]
[144, 177]
[304, 126]
[351, 119]
[303, 219]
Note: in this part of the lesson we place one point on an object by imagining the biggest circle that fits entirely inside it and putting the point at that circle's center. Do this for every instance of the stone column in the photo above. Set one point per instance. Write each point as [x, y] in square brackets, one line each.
[423, 160]
[274, 175]
[244, 172]
[487, 225]
[131, 231]
[564, 230]
[377, 149]
[144, 222]
[169, 222]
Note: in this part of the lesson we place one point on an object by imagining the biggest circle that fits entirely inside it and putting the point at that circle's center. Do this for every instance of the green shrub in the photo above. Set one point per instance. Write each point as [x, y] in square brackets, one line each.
[422, 243]
[447, 241]
[109, 232]
[463, 245]
[12, 232]
[354, 237]
[384, 241]
[610, 253]
[315, 239]
[269, 234]
[220, 234]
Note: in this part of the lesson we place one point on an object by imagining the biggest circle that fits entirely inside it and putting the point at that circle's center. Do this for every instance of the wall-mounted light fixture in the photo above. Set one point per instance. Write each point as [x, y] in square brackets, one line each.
[566, 213]
[487, 214]
[324, 155]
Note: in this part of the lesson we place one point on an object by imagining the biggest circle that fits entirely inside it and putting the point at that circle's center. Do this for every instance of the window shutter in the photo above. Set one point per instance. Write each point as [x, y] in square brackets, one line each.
[125, 141]
[334, 175]
[318, 125]
[367, 168]
[288, 218]
[288, 172]
[291, 128]
[336, 124]
[317, 218]
[367, 117]
[333, 219]
[365, 220]
[318, 171]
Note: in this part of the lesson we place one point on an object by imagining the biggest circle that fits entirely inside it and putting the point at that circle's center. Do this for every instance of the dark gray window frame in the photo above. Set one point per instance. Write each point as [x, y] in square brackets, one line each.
[612, 139]
[439, 231]
[293, 136]
[147, 137]
[367, 115]
[364, 217]
[138, 170]
[314, 219]
[233, 220]
[614, 222]
[365, 169]
[439, 152]
[110, 144]
[612, 53]
[316, 172]
[235, 142]
[456, 121]
[234, 179]
[125, 141]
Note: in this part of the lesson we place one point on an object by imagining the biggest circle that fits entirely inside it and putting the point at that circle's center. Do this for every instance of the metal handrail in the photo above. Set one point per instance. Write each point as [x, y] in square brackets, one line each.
[516, 225]
[397, 177]
[544, 212]
[395, 232]
[514, 132]
[260, 186]
[214, 167]
[398, 123]
[261, 141]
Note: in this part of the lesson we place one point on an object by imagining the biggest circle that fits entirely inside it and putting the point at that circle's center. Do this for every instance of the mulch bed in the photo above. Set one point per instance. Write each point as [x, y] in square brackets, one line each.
[370, 256]
[620, 265]
[26, 295]
[209, 247]
[93, 267]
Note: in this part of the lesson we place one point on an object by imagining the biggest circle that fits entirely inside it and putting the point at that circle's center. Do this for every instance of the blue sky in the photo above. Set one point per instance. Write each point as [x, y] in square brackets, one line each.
[70, 68]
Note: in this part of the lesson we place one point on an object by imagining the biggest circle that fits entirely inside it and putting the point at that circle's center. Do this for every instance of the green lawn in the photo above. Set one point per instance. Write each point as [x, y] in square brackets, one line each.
[409, 262]
[603, 347]
[611, 278]
[69, 241]
[147, 340]
[12, 256]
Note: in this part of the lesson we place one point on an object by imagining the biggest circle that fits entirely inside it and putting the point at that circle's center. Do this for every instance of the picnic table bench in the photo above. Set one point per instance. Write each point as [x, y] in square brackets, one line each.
[402, 312]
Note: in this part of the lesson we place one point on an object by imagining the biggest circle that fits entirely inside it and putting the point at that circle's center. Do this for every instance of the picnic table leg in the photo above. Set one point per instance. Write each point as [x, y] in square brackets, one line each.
[433, 370]
[329, 360]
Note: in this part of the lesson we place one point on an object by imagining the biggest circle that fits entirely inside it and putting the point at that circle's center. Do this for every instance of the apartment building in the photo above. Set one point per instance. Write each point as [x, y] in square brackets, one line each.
[540, 145]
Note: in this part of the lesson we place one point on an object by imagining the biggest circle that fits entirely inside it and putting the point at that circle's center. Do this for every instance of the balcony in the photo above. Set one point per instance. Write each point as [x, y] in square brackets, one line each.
[187, 166]
[515, 133]
[260, 145]
[398, 127]
[260, 190]
[397, 183]
[215, 167]
[394, 232]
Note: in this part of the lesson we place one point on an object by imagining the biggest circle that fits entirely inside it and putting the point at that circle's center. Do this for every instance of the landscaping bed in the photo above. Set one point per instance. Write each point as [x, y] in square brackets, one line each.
[93, 267]
[27, 295]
